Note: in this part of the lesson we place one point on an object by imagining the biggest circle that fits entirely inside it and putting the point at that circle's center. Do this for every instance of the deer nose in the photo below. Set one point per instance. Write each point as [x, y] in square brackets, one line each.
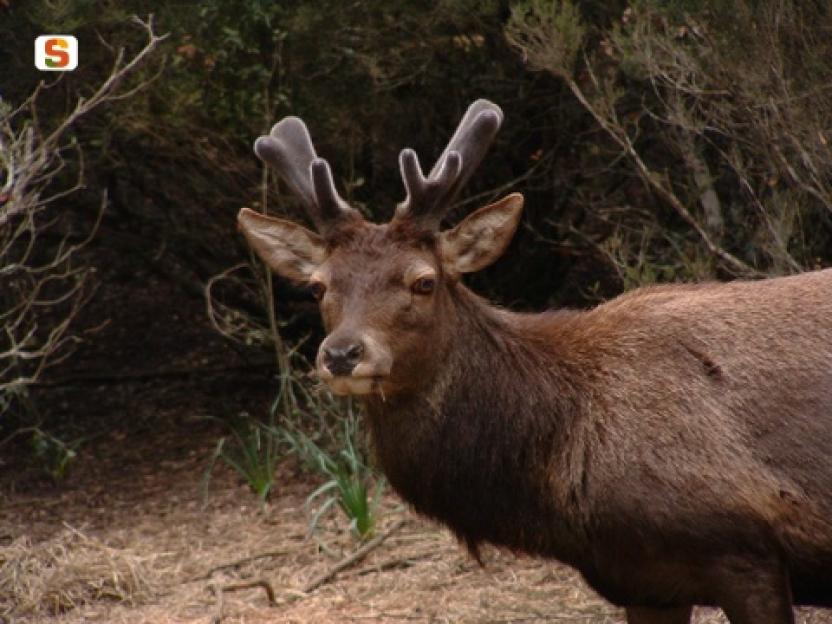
[341, 360]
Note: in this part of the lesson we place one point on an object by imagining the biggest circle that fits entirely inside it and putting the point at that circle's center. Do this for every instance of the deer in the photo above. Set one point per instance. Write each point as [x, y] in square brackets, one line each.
[673, 444]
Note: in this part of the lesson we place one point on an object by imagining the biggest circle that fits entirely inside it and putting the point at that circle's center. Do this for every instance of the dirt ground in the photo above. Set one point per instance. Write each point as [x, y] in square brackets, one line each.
[131, 538]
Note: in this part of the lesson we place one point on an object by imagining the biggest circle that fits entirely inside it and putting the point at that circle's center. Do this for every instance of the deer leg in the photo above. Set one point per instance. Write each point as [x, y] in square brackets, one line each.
[644, 615]
[757, 594]
[773, 608]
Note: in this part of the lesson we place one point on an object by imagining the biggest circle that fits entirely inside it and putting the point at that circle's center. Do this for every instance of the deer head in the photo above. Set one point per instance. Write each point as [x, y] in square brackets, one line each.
[387, 292]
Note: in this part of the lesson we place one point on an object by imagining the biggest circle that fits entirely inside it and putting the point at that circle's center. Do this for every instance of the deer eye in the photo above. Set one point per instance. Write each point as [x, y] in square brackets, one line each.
[317, 290]
[424, 285]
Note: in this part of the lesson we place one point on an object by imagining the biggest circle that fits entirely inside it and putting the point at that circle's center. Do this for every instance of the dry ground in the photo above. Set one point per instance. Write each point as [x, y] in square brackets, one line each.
[133, 540]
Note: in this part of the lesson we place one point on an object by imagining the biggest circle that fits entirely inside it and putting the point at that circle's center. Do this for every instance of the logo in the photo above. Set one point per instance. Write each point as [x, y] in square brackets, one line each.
[56, 53]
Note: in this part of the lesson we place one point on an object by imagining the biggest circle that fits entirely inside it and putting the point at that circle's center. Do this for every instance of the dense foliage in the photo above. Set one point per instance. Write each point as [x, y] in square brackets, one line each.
[654, 140]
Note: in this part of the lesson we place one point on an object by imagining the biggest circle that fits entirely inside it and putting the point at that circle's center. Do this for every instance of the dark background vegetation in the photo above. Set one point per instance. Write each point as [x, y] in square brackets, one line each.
[653, 140]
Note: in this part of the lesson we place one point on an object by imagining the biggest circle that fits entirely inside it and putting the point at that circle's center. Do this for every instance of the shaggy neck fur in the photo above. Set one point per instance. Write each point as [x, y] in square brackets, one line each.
[482, 448]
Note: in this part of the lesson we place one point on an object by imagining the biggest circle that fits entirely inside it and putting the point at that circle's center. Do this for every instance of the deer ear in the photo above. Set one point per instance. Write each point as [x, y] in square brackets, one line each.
[482, 236]
[287, 248]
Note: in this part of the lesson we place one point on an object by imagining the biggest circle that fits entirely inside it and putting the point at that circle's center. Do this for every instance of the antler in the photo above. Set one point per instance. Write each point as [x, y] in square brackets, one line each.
[289, 151]
[427, 198]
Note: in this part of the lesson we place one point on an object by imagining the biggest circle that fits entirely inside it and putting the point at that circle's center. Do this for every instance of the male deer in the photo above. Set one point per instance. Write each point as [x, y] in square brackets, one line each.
[674, 444]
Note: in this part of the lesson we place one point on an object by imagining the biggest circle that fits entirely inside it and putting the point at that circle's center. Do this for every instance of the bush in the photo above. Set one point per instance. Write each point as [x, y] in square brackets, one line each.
[710, 108]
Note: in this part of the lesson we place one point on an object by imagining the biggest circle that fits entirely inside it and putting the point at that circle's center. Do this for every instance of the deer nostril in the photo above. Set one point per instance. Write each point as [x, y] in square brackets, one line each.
[341, 361]
[354, 352]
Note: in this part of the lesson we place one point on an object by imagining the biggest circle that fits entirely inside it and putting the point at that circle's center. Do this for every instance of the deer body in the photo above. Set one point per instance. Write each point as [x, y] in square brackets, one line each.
[674, 444]
[573, 436]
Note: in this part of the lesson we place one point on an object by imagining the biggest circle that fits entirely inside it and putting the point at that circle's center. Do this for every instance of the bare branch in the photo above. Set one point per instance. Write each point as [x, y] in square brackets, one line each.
[42, 286]
[656, 183]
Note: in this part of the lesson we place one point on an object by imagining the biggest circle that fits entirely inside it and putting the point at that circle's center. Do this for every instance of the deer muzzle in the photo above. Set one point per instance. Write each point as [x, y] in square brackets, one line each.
[353, 363]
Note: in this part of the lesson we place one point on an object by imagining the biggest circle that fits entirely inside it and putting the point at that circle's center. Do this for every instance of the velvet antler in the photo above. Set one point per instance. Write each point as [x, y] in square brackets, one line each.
[429, 197]
[289, 151]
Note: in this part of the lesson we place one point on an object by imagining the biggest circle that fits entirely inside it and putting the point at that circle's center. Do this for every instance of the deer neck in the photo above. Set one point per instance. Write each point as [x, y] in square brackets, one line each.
[477, 448]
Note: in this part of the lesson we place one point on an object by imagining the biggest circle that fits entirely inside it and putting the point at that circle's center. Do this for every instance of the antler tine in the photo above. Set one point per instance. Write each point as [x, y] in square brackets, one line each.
[473, 137]
[427, 197]
[330, 204]
[288, 149]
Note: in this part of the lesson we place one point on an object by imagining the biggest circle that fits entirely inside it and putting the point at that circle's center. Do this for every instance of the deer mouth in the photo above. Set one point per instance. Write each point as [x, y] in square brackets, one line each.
[352, 384]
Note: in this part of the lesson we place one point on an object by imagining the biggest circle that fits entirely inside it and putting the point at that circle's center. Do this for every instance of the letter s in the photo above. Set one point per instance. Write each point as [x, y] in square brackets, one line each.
[54, 49]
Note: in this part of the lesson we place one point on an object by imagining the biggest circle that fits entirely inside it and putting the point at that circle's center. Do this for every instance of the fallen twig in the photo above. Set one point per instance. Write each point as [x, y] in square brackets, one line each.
[394, 563]
[218, 591]
[354, 558]
[241, 562]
